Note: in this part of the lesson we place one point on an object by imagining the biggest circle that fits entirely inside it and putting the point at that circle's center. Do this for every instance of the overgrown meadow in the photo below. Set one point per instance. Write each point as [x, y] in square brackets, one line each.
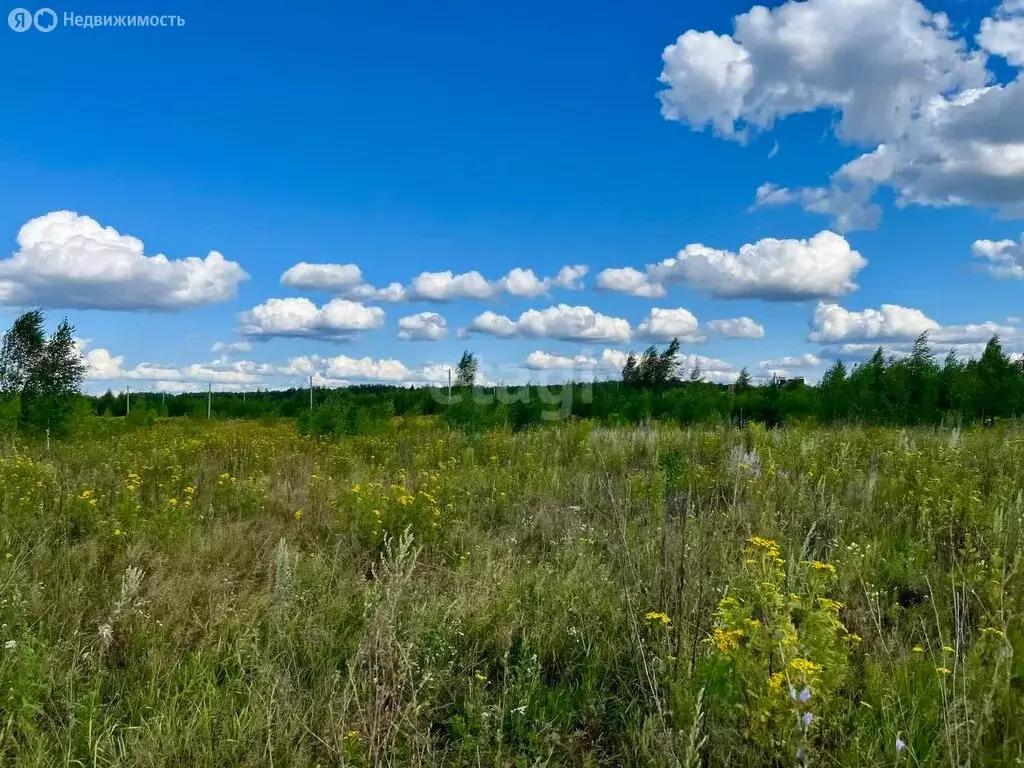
[235, 594]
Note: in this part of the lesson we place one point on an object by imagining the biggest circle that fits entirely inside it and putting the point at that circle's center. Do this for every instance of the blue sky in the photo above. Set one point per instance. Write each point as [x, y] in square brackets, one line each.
[412, 138]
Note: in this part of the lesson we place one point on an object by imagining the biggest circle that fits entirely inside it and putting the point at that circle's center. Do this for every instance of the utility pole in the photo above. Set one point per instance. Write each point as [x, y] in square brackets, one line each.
[311, 393]
[209, 399]
[449, 386]
[127, 400]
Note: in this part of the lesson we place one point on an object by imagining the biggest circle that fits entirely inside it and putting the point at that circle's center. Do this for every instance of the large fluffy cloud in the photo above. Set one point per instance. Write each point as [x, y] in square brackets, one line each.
[832, 323]
[875, 61]
[940, 127]
[782, 270]
[337, 320]
[558, 322]
[66, 260]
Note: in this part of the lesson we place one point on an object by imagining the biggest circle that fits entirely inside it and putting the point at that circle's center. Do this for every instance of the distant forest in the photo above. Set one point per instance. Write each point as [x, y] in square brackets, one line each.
[916, 388]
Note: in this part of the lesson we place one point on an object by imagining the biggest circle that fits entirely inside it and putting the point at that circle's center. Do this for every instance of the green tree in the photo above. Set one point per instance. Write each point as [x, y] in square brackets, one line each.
[467, 370]
[630, 371]
[743, 381]
[45, 375]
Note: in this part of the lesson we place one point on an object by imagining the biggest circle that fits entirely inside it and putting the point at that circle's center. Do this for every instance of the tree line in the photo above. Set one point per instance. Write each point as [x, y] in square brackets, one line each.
[41, 379]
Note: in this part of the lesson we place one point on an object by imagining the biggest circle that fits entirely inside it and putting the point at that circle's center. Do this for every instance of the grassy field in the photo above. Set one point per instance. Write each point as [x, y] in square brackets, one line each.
[235, 594]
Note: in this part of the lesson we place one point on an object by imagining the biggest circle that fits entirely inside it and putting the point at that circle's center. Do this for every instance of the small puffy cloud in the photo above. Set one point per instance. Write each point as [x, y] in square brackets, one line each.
[558, 322]
[571, 277]
[833, 324]
[342, 370]
[446, 286]
[775, 270]
[545, 361]
[708, 369]
[1003, 258]
[493, 324]
[738, 328]
[101, 365]
[631, 281]
[770, 194]
[392, 292]
[70, 261]
[344, 280]
[849, 206]
[333, 278]
[523, 282]
[425, 326]
[337, 320]
[777, 365]
[666, 324]
[231, 348]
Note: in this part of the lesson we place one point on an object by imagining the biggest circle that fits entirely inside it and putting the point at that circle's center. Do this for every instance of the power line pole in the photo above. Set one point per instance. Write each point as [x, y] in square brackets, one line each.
[209, 399]
[449, 386]
[127, 400]
[311, 393]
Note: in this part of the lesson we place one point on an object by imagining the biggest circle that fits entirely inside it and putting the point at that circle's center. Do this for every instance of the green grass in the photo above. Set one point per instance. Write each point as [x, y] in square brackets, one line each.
[235, 594]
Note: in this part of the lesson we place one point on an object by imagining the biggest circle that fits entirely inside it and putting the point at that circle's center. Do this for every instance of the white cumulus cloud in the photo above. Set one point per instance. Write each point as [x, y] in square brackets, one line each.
[563, 322]
[738, 328]
[344, 280]
[631, 281]
[1003, 258]
[71, 261]
[806, 360]
[940, 126]
[665, 324]
[545, 361]
[834, 324]
[337, 320]
[777, 270]
[425, 326]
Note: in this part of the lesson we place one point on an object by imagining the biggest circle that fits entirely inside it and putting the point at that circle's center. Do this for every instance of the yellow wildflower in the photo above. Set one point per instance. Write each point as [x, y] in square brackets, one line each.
[656, 616]
[917, 649]
[298, 514]
[820, 566]
[947, 648]
[806, 666]
[726, 640]
[117, 531]
[993, 631]
[769, 546]
[775, 681]
[943, 671]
